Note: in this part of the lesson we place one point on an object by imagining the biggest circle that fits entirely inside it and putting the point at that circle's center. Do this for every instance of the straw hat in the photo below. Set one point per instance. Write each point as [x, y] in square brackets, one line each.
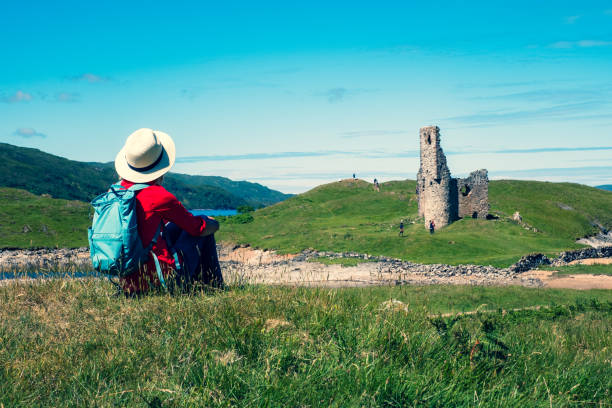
[147, 155]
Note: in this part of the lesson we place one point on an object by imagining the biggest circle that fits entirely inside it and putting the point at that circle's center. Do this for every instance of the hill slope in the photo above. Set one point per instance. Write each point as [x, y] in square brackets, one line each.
[28, 220]
[40, 172]
[351, 216]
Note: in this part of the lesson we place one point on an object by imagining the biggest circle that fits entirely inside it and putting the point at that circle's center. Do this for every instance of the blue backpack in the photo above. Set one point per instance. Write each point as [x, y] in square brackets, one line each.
[115, 246]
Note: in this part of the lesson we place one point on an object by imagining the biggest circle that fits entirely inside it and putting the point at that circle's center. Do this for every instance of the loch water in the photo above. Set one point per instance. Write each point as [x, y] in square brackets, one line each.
[213, 212]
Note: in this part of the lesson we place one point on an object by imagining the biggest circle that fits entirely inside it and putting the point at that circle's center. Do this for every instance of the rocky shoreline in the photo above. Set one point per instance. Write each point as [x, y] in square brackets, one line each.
[242, 264]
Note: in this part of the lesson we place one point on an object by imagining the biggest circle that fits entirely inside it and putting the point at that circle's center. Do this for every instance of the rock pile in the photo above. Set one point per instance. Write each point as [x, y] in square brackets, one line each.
[529, 262]
[585, 253]
[12, 260]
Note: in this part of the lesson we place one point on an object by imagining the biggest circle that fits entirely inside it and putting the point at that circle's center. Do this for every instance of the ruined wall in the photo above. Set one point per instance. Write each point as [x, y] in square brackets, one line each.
[442, 198]
[473, 195]
[434, 181]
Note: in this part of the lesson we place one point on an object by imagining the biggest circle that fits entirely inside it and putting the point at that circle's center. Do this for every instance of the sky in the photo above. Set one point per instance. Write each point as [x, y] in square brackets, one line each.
[292, 95]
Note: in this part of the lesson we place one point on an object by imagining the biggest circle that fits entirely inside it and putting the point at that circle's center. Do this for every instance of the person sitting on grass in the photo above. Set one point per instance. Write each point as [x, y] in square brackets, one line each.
[145, 158]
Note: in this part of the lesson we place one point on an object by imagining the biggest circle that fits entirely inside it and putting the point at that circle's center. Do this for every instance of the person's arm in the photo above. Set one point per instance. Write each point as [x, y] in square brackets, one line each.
[171, 209]
[211, 226]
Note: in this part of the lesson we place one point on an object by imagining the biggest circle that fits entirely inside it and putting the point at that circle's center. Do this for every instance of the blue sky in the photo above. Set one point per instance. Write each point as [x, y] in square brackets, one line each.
[296, 95]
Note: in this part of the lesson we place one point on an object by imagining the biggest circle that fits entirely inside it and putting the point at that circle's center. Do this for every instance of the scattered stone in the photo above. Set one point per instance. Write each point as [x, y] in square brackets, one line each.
[586, 253]
[600, 240]
[529, 262]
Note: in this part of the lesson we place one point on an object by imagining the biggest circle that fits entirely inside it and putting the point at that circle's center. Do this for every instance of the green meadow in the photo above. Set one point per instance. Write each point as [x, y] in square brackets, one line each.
[352, 216]
[73, 343]
[32, 221]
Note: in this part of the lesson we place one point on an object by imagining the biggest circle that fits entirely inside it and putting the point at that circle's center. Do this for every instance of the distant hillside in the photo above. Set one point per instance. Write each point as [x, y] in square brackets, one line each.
[251, 192]
[606, 187]
[28, 220]
[40, 172]
[351, 216]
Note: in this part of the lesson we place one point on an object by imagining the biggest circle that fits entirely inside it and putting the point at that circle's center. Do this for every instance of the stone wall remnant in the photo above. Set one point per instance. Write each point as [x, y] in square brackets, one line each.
[442, 198]
[473, 195]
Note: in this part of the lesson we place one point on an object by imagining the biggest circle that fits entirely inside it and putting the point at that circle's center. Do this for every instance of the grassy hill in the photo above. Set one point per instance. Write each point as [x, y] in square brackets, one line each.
[253, 193]
[43, 173]
[28, 220]
[351, 216]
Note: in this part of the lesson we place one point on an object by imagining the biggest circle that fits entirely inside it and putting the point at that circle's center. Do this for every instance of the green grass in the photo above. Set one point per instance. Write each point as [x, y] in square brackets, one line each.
[351, 216]
[71, 343]
[28, 220]
[582, 269]
[340, 261]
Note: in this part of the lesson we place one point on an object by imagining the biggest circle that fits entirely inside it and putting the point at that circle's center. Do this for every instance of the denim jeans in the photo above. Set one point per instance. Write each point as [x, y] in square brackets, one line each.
[199, 254]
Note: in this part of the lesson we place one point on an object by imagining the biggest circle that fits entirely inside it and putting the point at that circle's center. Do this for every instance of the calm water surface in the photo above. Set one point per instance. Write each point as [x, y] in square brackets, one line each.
[213, 213]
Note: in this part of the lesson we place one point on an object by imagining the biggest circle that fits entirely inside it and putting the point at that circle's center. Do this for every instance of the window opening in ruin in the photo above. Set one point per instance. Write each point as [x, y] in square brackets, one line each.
[474, 214]
[437, 180]
[465, 190]
[428, 139]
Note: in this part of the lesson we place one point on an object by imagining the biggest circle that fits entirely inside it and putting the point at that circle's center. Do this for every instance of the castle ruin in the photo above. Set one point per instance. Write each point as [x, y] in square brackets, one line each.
[442, 198]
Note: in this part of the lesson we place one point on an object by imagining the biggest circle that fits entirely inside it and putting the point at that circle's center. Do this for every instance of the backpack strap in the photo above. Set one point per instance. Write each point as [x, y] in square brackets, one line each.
[138, 187]
[149, 249]
[160, 276]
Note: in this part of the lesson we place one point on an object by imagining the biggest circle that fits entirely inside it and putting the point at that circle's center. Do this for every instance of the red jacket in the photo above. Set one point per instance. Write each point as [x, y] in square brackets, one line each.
[154, 205]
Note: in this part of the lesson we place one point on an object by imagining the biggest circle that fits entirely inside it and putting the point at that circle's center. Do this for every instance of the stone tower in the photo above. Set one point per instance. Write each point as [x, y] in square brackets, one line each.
[434, 183]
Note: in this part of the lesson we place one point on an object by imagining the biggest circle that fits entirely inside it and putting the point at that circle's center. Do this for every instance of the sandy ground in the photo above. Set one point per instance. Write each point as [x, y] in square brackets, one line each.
[582, 281]
[257, 266]
[248, 265]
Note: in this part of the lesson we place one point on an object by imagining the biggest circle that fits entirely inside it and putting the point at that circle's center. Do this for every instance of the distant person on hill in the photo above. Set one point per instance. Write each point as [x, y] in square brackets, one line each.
[432, 226]
[353, 176]
[186, 249]
[401, 231]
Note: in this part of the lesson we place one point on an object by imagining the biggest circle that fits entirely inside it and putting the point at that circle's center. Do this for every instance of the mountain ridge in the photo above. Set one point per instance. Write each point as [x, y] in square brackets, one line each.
[43, 173]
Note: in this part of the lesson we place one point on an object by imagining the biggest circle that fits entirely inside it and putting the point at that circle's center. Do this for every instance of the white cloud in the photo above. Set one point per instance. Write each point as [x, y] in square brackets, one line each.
[335, 94]
[581, 44]
[66, 97]
[19, 96]
[91, 78]
[338, 94]
[28, 133]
